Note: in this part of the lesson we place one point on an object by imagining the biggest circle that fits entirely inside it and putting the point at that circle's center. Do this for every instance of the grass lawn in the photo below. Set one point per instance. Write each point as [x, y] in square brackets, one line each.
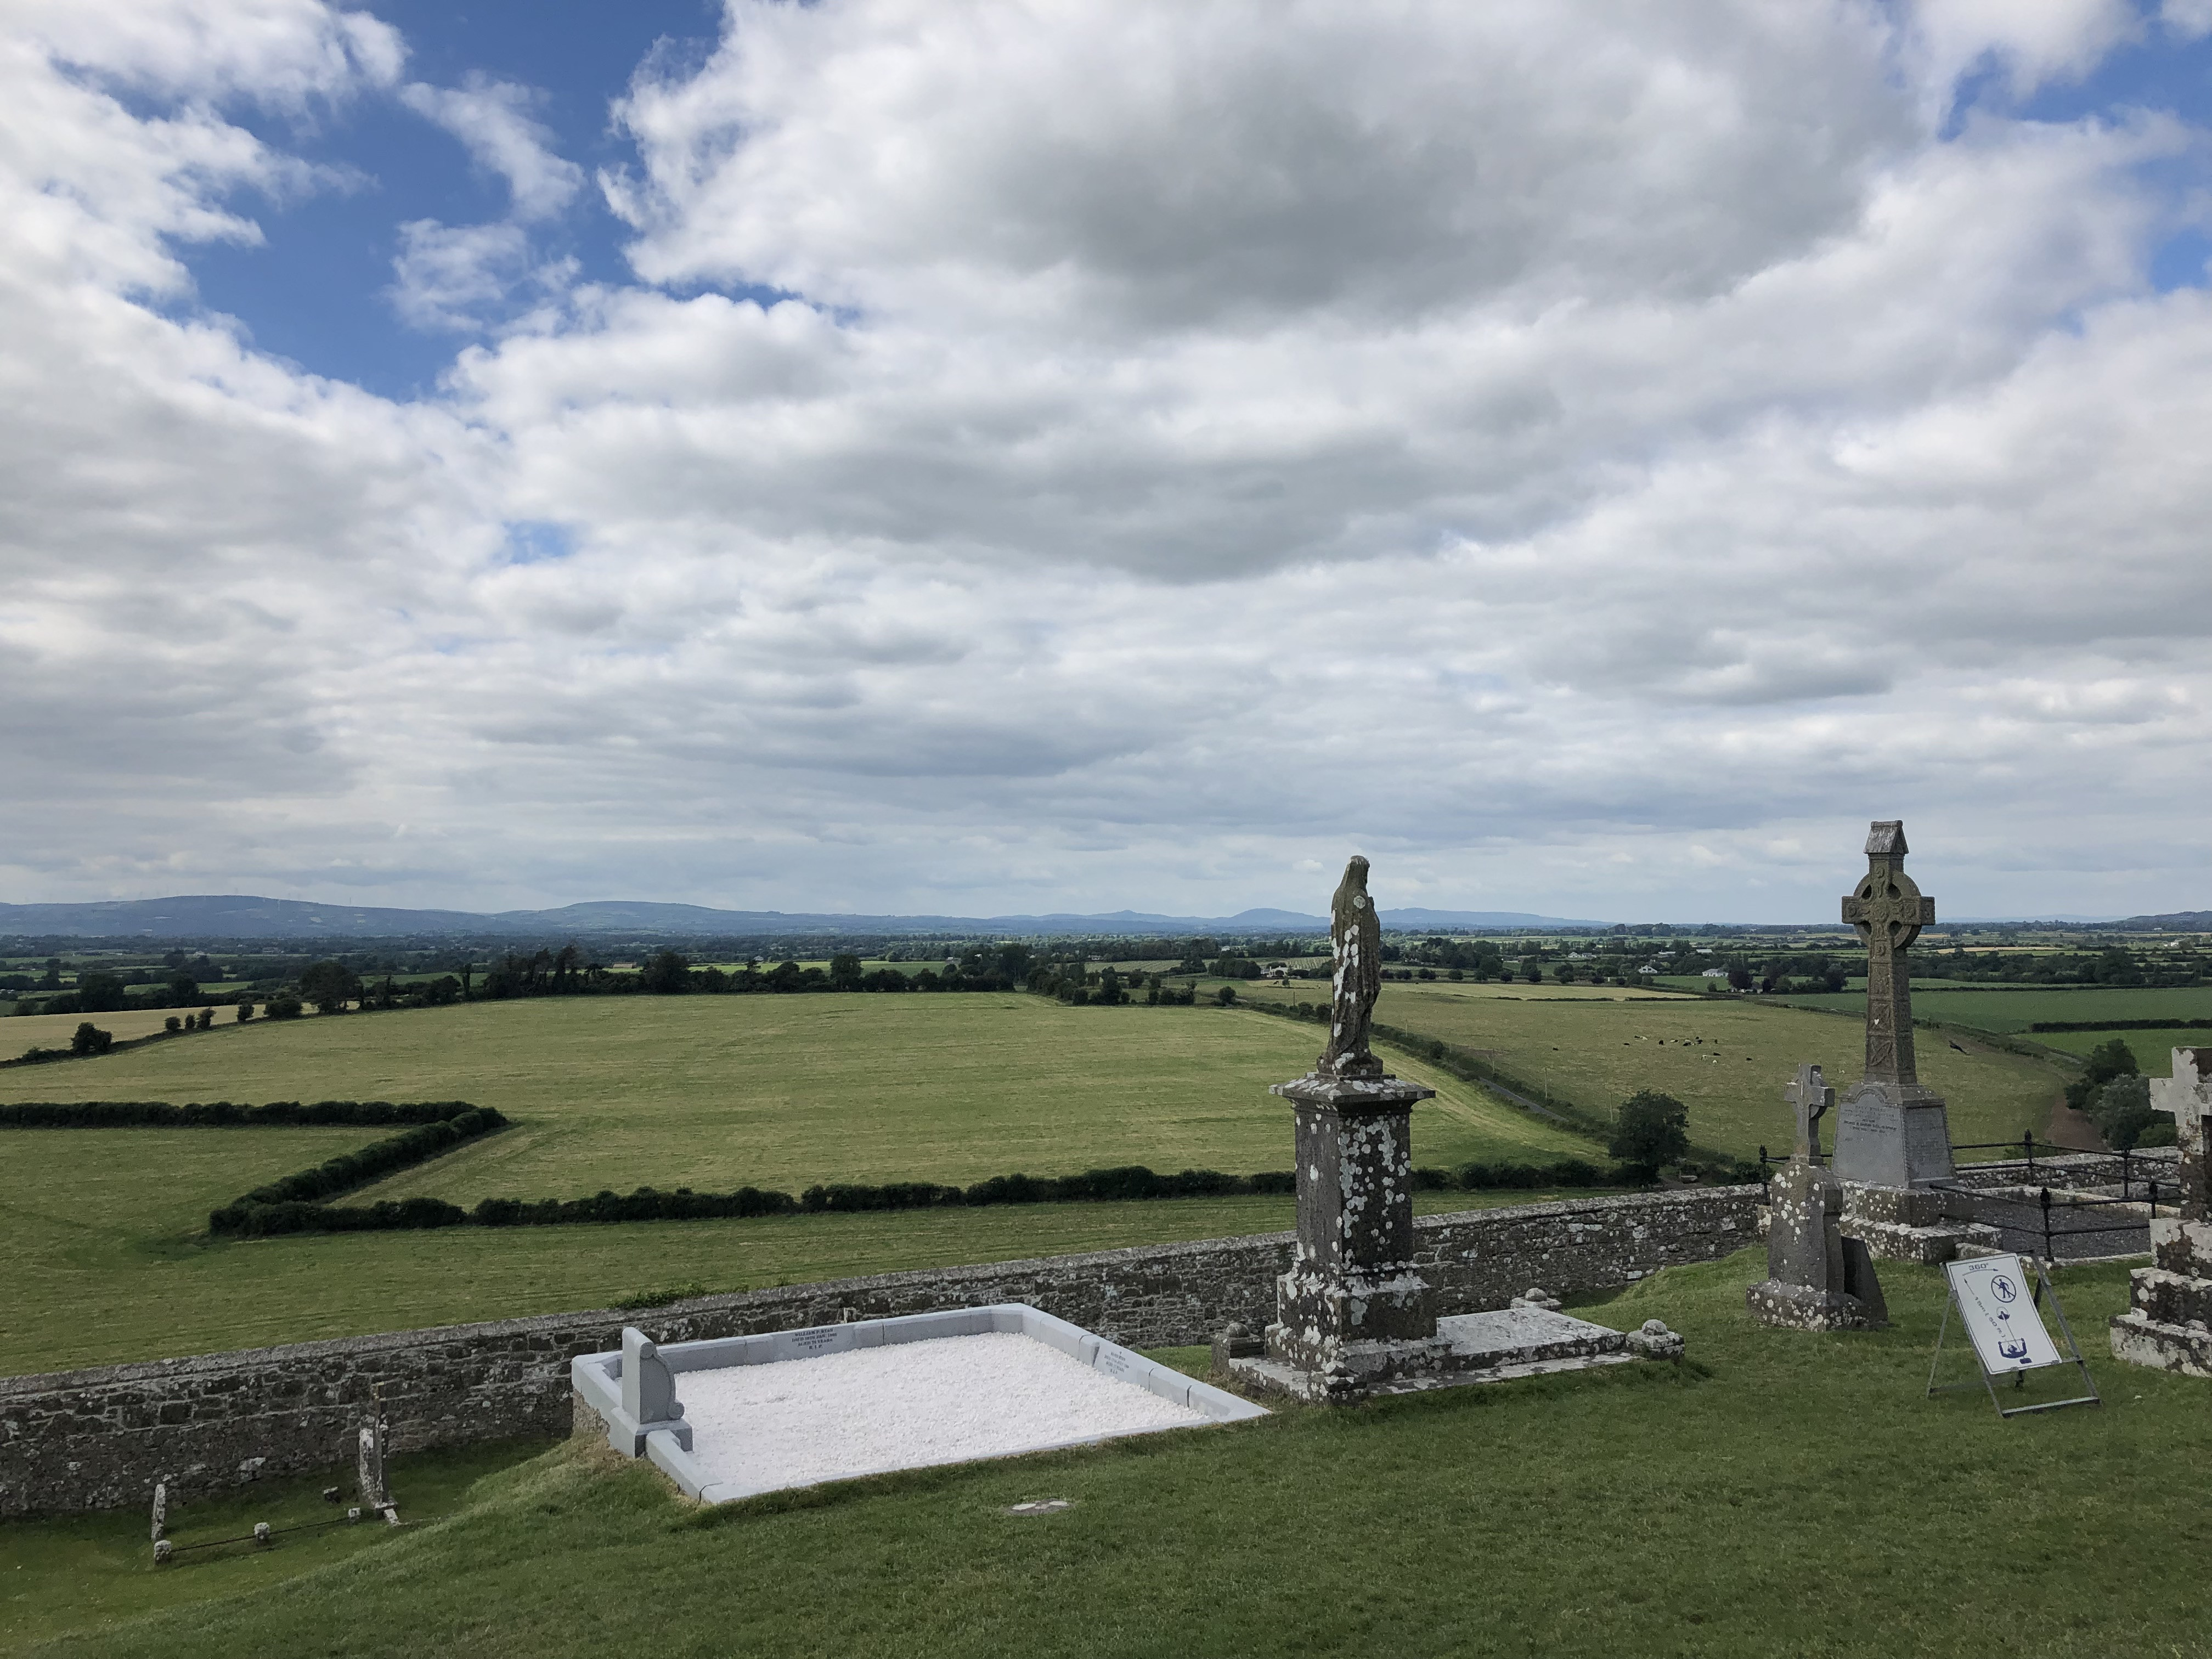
[108, 1261]
[2153, 1049]
[718, 1092]
[1596, 1049]
[2013, 1011]
[1780, 1492]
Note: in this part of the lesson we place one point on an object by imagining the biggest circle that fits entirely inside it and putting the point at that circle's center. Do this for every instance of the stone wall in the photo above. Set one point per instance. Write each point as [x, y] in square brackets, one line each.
[99, 1438]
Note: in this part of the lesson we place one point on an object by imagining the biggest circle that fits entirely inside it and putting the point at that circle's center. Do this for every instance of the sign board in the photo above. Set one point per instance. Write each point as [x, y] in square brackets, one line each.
[1995, 1295]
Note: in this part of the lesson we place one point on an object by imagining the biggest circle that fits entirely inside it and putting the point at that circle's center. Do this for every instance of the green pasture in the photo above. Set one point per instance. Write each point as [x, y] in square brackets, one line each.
[1727, 1060]
[1777, 1492]
[108, 1258]
[718, 1092]
[2009, 1012]
[2153, 1049]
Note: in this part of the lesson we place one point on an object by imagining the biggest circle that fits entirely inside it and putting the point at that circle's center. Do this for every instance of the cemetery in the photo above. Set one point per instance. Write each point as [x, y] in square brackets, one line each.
[1149, 1417]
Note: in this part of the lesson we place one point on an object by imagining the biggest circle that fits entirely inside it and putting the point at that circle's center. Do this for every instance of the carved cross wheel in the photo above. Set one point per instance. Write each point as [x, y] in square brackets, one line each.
[1888, 910]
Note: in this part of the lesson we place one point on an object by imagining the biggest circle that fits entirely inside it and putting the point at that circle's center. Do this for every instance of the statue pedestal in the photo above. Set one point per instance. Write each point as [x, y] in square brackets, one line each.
[1354, 1311]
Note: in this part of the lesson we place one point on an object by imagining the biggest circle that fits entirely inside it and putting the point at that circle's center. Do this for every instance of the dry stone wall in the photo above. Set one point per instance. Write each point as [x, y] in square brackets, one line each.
[100, 1438]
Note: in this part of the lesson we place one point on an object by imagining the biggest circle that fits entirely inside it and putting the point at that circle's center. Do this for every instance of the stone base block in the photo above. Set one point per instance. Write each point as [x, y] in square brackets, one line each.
[1908, 1224]
[2182, 1248]
[1524, 1341]
[1354, 1370]
[2142, 1341]
[2170, 1298]
[1801, 1308]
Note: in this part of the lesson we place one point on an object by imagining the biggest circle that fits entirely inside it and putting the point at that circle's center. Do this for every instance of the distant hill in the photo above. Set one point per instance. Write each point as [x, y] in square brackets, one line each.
[244, 916]
[2181, 922]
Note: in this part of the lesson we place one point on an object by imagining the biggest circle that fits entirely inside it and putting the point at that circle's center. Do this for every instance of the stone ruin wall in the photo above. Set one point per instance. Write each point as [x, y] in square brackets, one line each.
[99, 1438]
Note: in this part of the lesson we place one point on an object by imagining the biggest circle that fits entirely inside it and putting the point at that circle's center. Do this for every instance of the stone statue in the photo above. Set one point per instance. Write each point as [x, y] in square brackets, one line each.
[1356, 935]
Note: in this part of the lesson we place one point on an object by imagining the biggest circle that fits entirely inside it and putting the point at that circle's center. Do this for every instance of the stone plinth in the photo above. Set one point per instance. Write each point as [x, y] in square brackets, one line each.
[2168, 1323]
[1816, 1280]
[1910, 1223]
[1353, 1311]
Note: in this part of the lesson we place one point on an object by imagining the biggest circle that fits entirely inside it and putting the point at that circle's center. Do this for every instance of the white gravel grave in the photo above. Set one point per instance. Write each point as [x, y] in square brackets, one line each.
[795, 1422]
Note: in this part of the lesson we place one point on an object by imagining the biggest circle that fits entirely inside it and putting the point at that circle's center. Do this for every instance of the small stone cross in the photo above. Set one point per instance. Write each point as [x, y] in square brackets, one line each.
[1889, 912]
[1812, 1098]
[2188, 1095]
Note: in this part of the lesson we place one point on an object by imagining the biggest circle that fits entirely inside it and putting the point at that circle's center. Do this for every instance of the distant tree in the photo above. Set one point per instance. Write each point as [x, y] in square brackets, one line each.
[184, 991]
[1015, 961]
[282, 1008]
[245, 1009]
[89, 1039]
[100, 992]
[845, 971]
[329, 985]
[785, 977]
[1650, 1129]
[2122, 1111]
[1226, 996]
[1533, 971]
[1739, 977]
[2109, 1059]
[173, 1024]
[207, 1018]
[669, 974]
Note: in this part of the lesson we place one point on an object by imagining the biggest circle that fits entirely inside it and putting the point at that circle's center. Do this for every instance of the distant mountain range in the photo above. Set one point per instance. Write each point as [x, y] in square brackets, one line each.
[243, 916]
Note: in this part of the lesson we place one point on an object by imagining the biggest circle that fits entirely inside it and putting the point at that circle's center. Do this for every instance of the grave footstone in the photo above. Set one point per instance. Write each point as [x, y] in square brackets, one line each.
[1892, 1132]
[2168, 1323]
[1816, 1278]
[648, 1397]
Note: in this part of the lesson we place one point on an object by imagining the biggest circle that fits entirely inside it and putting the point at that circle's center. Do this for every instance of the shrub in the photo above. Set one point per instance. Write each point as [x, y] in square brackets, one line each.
[173, 1024]
[2107, 1061]
[89, 1039]
[1226, 996]
[1650, 1129]
[282, 1008]
[245, 1009]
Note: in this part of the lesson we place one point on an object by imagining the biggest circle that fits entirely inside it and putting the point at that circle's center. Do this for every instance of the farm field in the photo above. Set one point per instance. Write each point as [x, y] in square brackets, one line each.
[2014, 1010]
[1638, 1509]
[23, 1031]
[718, 1093]
[2153, 1049]
[108, 1260]
[1727, 1060]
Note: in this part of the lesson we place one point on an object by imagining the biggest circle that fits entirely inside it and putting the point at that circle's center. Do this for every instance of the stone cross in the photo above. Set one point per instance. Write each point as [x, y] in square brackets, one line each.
[2188, 1095]
[1889, 912]
[1812, 1098]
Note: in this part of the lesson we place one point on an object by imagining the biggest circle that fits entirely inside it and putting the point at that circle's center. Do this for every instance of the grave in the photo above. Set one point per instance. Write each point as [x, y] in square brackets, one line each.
[1816, 1278]
[733, 1417]
[1354, 1315]
[2168, 1323]
[1893, 1134]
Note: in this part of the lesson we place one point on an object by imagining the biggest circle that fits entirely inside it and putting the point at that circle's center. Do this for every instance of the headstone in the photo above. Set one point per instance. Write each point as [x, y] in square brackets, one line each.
[1892, 1132]
[1816, 1278]
[2168, 1323]
[649, 1401]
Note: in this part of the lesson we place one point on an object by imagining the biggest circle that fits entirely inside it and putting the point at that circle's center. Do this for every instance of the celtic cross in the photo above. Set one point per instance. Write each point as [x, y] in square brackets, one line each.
[1889, 912]
[2188, 1095]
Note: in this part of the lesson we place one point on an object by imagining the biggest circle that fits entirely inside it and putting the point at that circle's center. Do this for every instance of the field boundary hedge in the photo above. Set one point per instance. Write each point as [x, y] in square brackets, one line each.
[290, 1204]
[222, 1114]
[252, 1217]
[2121, 1025]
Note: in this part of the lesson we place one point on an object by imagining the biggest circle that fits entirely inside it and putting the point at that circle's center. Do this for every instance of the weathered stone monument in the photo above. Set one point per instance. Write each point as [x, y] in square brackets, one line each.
[1816, 1278]
[1353, 1311]
[2168, 1323]
[1354, 1315]
[1892, 1134]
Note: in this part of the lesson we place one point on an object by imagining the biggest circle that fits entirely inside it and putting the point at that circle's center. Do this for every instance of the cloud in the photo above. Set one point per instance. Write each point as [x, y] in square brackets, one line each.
[491, 118]
[1590, 457]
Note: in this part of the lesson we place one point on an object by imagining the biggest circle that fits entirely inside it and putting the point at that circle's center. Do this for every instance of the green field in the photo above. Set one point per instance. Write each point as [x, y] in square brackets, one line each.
[2013, 1011]
[2153, 1049]
[1777, 1493]
[1727, 1059]
[718, 1093]
[108, 1260]
[105, 1228]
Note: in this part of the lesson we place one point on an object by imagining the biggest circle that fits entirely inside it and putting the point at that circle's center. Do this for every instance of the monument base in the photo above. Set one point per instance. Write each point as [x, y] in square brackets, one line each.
[2168, 1324]
[1909, 1224]
[1524, 1340]
[1801, 1307]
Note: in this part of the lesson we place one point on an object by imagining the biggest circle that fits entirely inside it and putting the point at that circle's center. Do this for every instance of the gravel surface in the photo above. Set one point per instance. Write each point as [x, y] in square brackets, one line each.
[947, 1400]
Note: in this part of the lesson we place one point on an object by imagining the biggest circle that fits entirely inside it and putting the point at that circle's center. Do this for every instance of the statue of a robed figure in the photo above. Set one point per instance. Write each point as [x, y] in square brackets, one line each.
[1356, 938]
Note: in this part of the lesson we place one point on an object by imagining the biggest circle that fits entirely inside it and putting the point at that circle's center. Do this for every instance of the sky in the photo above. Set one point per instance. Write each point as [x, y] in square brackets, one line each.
[886, 456]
